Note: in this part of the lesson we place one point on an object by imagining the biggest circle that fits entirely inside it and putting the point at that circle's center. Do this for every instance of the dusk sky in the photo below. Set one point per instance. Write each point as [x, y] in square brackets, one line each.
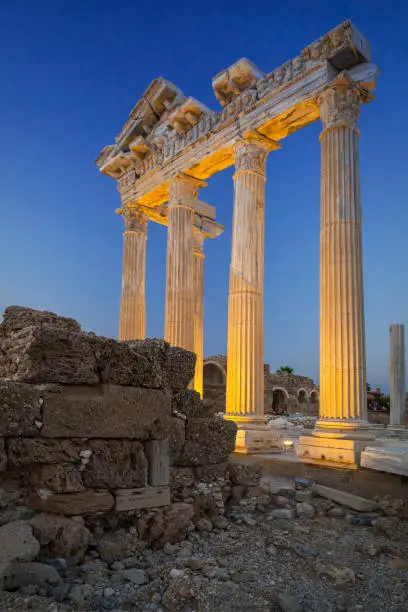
[70, 72]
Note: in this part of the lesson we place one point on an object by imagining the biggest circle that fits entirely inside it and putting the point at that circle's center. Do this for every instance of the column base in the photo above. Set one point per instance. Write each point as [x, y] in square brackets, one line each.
[253, 436]
[336, 443]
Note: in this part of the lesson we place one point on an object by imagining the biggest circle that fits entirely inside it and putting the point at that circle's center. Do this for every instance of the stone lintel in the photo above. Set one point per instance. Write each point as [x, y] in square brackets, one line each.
[344, 46]
[254, 137]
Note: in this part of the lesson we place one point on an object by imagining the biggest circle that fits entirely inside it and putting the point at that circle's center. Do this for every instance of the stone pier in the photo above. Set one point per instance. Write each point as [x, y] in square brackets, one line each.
[245, 376]
[397, 377]
[179, 324]
[342, 430]
[133, 304]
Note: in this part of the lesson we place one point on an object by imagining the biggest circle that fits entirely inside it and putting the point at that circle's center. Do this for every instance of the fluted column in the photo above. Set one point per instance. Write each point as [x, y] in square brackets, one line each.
[179, 323]
[132, 305]
[397, 372]
[198, 293]
[342, 332]
[245, 374]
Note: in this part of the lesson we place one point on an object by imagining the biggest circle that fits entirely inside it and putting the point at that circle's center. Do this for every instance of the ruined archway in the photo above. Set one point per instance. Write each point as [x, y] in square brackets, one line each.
[280, 401]
[313, 397]
[214, 383]
[302, 396]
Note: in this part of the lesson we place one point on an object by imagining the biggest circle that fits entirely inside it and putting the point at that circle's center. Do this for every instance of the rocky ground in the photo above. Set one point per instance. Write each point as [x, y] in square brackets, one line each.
[269, 552]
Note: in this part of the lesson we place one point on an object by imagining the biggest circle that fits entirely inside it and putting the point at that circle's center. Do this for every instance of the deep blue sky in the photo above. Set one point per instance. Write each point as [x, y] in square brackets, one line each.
[70, 71]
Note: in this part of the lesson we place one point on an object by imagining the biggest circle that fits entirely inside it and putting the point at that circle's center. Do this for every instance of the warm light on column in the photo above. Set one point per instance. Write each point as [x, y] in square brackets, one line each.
[342, 333]
[132, 322]
[198, 278]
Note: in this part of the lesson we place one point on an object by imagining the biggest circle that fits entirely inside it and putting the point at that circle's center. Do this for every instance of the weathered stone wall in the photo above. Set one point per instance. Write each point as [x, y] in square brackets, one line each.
[99, 429]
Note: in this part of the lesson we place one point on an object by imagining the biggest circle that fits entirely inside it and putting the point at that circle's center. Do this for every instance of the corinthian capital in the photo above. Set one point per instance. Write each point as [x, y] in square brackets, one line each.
[135, 220]
[251, 151]
[339, 106]
[183, 190]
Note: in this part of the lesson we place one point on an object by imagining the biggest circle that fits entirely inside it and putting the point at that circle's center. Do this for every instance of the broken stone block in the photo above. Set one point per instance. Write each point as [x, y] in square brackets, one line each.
[189, 403]
[3, 456]
[215, 471]
[22, 574]
[136, 499]
[181, 477]
[177, 438]
[246, 474]
[119, 545]
[157, 453]
[345, 499]
[20, 409]
[48, 354]
[60, 537]
[107, 411]
[17, 542]
[18, 317]
[208, 441]
[25, 451]
[70, 504]
[115, 464]
[180, 368]
[59, 478]
[171, 524]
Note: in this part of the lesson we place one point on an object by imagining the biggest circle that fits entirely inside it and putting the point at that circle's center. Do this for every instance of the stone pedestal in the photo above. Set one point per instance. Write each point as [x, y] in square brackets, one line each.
[397, 379]
[179, 324]
[198, 281]
[342, 430]
[245, 375]
[132, 304]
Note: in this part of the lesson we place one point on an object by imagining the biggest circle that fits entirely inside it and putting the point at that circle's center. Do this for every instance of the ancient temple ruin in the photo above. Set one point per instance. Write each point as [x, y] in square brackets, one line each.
[172, 143]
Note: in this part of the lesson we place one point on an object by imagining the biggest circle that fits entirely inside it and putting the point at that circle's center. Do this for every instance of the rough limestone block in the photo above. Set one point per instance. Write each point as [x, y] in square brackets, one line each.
[392, 459]
[119, 363]
[181, 477]
[189, 403]
[246, 474]
[115, 463]
[107, 411]
[17, 542]
[60, 537]
[18, 317]
[157, 453]
[177, 438]
[70, 504]
[3, 456]
[180, 368]
[59, 478]
[23, 574]
[137, 499]
[25, 451]
[208, 441]
[20, 409]
[345, 499]
[48, 354]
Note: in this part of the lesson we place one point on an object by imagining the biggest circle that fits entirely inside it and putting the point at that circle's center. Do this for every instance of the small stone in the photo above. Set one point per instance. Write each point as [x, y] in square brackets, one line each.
[108, 592]
[305, 509]
[303, 495]
[176, 573]
[398, 563]
[280, 500]
[248, 520]
[80, 593]
[17, 542]
[204, 525]
[337, 512]
[272, 550]
[23, 574]
[60, 592]
[29, 589]
[283, 513]
[136, 576]
[286, 602]
[304, 551]
[220, 522]
[342, 576]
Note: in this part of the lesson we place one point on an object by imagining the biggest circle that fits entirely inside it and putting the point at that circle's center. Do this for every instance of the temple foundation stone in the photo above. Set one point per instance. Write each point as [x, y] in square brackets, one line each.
[179, 321]
[132, 323]
[245, 375]
[342, 430]
[397, 377]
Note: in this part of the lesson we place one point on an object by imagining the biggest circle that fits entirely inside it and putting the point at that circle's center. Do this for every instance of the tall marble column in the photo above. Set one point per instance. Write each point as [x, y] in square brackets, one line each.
[245, 369]
[397, 378]
[179, 323]
[132, 305]
[343, 401]
[198, 293]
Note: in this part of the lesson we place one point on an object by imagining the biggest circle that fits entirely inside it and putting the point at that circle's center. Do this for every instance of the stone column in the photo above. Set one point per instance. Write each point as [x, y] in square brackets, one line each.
[397, 376]
[179, 324]
[198, 294]
[132, 305]
[245, 365]
[343, 401]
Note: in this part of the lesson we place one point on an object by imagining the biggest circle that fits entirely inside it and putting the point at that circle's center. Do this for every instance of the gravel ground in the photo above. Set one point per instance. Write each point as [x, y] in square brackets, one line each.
[251, 559]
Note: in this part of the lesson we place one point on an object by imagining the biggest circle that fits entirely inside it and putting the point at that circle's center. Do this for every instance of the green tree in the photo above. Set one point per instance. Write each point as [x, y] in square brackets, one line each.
[385, 402]
[285, 370]
[368, 387]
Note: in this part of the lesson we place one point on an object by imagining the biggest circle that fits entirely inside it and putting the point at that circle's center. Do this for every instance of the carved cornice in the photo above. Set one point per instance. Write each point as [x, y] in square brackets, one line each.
[134, 219]
[340, 105]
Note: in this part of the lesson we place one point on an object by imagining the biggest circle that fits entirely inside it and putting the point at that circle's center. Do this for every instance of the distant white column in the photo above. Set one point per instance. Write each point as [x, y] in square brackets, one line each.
[132, 322]
[397, 375]
[198, 279]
